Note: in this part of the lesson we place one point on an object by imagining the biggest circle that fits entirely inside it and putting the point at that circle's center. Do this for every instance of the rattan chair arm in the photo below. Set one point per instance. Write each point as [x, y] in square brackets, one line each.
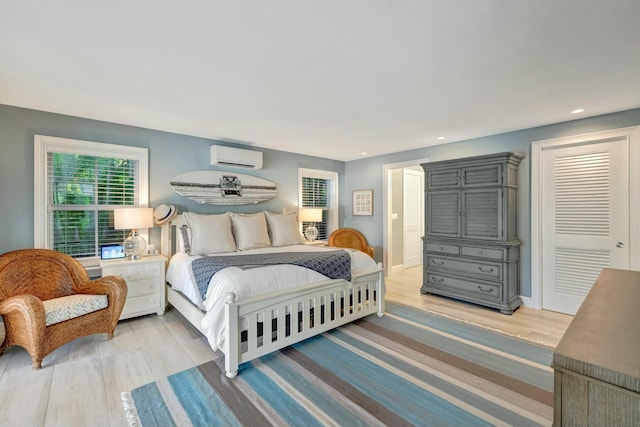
[113, 286]
[26, 309]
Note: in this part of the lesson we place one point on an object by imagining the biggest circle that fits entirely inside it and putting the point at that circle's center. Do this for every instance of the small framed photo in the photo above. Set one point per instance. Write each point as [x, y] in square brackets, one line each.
[363, 202]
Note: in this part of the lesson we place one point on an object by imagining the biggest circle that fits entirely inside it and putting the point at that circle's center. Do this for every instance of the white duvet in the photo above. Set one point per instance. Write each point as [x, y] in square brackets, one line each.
[248, 282]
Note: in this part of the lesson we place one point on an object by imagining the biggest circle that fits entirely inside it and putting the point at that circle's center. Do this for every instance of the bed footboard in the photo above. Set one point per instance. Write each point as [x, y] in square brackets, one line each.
[296, 315]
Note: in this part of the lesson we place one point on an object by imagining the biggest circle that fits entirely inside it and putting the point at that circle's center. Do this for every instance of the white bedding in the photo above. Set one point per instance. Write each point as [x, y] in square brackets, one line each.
[248, 282]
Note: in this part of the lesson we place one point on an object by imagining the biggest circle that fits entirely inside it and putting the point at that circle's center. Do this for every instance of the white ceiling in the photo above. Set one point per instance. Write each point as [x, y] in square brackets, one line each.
[329, 78]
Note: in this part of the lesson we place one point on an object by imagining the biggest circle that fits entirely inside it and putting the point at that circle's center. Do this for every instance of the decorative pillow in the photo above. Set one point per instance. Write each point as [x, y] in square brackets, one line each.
[210, 234]
[184, 240]
[283, 229]
[250, 231]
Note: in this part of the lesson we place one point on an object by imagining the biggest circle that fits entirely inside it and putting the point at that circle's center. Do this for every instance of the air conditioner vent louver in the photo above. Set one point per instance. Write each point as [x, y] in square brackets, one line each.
[235, 157]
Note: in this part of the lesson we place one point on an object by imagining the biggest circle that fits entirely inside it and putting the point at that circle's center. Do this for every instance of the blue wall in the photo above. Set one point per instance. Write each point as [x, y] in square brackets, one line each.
[368, 173]
[169, 155]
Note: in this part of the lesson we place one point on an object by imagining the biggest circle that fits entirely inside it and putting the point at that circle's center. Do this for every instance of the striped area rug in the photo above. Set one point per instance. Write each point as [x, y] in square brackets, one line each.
[406, 368]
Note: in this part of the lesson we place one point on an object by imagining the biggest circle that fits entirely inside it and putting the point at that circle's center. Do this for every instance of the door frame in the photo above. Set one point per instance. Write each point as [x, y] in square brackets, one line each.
[386, 207]
[632, 134]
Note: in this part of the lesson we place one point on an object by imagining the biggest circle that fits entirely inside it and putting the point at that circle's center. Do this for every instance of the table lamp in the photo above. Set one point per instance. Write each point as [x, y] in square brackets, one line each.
[133, 219]
[311, 215]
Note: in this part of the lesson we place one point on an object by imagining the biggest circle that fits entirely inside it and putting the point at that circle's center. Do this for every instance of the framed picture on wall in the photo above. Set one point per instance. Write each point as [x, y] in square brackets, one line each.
[363, 202]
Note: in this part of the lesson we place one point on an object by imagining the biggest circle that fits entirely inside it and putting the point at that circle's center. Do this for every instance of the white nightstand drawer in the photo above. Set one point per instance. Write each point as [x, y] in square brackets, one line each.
[143, 287]
[140, 305]
[135, 271]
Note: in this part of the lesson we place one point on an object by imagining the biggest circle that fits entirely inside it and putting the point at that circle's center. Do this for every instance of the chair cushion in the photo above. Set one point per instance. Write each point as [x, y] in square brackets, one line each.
[72, 306]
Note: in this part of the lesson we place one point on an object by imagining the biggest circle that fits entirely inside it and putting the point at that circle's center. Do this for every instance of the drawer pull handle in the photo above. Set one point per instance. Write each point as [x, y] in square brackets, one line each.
[437, 279]
[485, 290]
[433, 261]
[480, 252]
[484, 270]
[441, 248]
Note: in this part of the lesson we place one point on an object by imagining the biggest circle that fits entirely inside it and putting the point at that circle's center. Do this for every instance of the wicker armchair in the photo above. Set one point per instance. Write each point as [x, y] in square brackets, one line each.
[350, 238]
[33, 278]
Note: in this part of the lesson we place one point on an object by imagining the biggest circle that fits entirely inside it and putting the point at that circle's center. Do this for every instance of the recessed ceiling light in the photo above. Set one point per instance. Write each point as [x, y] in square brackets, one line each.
[364, 153]
[440, 138]
[577, 111]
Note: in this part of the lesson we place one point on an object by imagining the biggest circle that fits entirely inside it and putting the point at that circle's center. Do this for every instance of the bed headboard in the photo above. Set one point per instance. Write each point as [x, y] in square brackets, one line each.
[168, 236]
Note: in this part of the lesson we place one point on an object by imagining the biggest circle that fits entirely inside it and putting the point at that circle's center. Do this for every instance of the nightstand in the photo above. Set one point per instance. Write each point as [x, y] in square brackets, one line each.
[145, 282]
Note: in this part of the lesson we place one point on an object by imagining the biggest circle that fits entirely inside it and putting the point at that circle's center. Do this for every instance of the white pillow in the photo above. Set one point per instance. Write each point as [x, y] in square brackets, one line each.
[283, 229]
[250, 231]
[210, 234]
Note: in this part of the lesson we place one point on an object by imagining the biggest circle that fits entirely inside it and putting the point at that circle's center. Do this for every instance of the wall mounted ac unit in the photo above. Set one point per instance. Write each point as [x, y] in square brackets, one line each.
[235, 157]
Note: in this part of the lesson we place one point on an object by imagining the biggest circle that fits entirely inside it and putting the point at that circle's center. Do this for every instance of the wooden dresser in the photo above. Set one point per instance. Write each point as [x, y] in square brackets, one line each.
[471, 246]
[597, 362]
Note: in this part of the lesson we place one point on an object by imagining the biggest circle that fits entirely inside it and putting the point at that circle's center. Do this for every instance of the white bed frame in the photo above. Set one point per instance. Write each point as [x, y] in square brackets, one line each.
[310, 309]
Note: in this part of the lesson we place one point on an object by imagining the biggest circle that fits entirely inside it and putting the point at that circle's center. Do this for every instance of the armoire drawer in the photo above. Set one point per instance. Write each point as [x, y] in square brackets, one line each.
[486, 270]
[442, 248]
[486, 291]
[480, 252]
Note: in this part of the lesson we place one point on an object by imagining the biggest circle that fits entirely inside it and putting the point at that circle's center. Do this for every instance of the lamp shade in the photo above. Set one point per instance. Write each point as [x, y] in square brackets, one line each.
[311, 215]
[132, 218]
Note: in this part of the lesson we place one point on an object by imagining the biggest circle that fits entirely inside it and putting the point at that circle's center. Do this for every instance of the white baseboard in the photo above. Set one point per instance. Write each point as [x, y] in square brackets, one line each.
[528, 302]
[395, 269]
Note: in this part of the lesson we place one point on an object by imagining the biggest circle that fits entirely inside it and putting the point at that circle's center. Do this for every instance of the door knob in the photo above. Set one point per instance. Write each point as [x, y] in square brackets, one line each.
[620, 245]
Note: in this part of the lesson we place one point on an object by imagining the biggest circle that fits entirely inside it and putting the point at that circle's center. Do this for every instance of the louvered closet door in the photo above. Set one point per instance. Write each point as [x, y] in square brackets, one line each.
[585, 219]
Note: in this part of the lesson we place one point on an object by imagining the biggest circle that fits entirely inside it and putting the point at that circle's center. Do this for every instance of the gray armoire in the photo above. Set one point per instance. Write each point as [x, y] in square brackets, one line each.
[471, 246]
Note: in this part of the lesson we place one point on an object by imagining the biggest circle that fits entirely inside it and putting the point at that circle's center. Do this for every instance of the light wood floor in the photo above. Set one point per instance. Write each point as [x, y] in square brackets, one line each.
[80, 383]
[539, 326]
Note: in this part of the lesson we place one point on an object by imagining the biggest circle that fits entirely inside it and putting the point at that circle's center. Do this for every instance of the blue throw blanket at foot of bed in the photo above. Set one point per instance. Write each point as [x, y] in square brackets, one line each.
[333, 264]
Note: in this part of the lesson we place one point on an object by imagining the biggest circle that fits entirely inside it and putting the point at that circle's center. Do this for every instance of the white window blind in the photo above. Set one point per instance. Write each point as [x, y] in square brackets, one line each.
[81, 183]
[318, 189]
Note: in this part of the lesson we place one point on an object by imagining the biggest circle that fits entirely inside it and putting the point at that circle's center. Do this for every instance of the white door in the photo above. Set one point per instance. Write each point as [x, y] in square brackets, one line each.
[412, 200]
[585, 218]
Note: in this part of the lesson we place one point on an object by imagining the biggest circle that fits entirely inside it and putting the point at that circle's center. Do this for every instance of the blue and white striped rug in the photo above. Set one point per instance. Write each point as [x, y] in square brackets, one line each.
[406, 368]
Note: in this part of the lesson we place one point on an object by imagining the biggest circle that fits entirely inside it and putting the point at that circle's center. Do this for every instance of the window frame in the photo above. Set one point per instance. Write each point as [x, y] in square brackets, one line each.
[46, 144]
[333, 210]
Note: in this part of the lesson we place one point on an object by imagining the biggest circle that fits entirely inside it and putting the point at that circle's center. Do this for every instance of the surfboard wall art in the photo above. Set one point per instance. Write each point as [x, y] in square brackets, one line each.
[223, 188]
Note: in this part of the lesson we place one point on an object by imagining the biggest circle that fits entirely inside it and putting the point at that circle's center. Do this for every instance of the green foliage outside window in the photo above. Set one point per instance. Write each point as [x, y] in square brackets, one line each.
[84, 190]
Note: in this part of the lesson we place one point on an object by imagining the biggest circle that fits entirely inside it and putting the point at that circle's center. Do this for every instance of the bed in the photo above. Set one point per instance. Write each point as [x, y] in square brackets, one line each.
[251, 308]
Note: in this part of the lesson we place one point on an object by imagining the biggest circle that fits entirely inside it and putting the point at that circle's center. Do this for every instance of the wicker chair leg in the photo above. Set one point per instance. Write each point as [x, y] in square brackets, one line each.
[110, 335]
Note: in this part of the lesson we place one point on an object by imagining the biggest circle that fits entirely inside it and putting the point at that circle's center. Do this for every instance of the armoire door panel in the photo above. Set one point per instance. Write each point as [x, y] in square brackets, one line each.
[440, 179]
[482, 175]
[481, 217]
[444, 213]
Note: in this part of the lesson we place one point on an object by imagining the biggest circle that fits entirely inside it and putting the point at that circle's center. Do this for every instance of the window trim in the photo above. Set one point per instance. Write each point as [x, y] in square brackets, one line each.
[45, 144]
[334, 215]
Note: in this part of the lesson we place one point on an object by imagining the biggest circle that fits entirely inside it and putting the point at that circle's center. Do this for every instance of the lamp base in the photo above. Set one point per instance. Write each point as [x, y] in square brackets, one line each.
[311, 233]
[134, 246]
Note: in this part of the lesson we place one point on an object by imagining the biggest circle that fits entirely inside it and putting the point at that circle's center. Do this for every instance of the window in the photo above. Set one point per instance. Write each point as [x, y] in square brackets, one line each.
[319, 189]
[78, 184]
